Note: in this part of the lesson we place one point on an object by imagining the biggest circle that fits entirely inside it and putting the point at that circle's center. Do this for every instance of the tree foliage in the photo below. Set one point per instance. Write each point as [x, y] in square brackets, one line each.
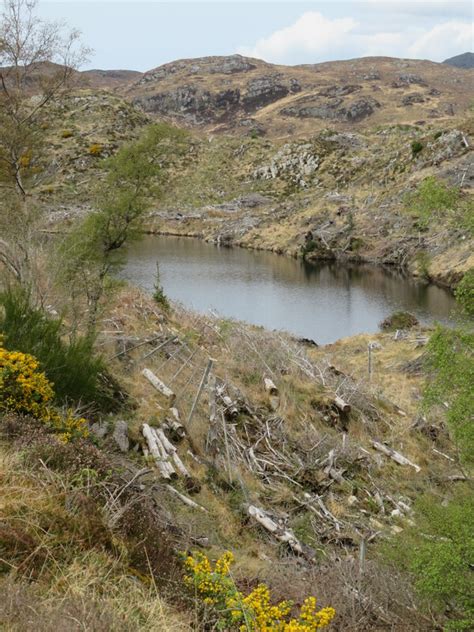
[94, 249]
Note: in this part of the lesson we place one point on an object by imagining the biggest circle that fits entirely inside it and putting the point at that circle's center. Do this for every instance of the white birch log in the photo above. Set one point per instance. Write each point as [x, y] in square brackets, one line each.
[270, 386]
[175, 426]
[155, 449]
[284, 535]
[185, 499]
[159, 386]
[342, 405]
[171, 451]
[396, 456]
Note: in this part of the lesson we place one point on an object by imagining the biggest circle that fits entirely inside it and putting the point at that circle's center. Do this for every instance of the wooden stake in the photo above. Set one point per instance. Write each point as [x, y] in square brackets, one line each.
[205, 375]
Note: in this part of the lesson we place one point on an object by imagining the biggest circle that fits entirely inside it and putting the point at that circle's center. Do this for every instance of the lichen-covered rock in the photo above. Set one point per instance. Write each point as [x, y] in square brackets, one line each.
[332, 109]
[295, 162]
[191, 103]
[410, 99]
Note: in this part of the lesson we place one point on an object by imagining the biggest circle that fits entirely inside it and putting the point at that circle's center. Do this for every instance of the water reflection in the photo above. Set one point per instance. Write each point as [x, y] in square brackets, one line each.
[324, 302]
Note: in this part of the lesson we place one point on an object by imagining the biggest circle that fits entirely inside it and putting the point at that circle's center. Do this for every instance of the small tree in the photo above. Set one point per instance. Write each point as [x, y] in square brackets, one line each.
[93, 251]
[37, 58]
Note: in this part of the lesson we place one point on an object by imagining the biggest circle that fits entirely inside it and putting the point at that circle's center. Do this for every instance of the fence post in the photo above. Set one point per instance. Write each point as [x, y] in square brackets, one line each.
[200, 390]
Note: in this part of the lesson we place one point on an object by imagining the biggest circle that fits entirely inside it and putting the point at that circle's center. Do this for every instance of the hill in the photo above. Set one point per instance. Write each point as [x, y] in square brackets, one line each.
[465, 60]
[248, 96]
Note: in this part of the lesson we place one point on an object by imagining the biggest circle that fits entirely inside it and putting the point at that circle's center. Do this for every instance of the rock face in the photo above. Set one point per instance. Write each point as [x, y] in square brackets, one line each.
[191, 103]
[333, 109]
[238, 95]
[264, 90]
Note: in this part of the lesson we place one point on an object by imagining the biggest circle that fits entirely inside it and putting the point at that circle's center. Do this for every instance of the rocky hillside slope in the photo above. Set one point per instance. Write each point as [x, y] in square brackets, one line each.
[335, 186]
[246, 95]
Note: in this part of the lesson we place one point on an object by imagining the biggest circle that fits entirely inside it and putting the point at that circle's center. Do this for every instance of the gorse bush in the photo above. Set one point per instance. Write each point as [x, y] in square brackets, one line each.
[214, 586]
[26, 390]
[77, 374]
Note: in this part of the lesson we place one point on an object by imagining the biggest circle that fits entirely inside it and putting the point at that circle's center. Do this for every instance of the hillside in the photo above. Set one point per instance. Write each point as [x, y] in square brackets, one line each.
[277, 157]
[140, 441]
[465, 60]
[248, 96]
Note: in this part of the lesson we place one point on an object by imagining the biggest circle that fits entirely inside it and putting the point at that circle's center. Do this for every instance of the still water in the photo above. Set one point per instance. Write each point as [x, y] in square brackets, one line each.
[323, 302]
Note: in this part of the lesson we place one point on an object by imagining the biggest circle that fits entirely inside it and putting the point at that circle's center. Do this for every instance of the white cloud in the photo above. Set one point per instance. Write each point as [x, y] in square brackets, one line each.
[311, 34]
[313, 38]
[443, 40]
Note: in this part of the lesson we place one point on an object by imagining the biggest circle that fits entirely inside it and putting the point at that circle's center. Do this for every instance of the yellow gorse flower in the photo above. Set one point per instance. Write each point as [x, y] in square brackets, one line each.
[254, 612]
[26, 390]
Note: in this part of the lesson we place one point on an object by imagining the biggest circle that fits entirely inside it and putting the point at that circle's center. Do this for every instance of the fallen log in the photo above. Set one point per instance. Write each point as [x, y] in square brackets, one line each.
[396, 456]
[280, 533]
[176, 428]
[270, 386]
[171, 451]
[157, 451]
[185, 499]
[341, 405]
[159, 386]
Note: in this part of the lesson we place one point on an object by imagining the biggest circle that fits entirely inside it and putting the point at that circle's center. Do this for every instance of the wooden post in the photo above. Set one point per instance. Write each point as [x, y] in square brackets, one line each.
[362, 554]
[227, 452]
[200, 390]
[369, 350]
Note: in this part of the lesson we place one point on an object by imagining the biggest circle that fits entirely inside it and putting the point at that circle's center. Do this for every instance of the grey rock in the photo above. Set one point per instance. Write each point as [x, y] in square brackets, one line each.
[267, 89]
[120, 435]
[410, 99]
[333, 109]
[99, 429]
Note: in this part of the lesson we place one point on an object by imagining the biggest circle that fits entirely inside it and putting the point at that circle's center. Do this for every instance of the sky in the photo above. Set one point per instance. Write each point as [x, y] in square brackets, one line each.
[142, 35]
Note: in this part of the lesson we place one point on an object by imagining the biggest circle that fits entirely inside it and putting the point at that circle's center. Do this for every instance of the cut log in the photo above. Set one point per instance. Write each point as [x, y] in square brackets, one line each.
[280, 533]
[270, 386]
[176, 428]
[230, 408]
[396, 456]
[156, 450]
[159, 386]
[341, 405]
[172, 452]
[185, 499]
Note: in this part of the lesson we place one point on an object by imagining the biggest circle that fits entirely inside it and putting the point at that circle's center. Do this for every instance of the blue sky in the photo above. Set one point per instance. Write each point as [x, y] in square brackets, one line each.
[143, 35]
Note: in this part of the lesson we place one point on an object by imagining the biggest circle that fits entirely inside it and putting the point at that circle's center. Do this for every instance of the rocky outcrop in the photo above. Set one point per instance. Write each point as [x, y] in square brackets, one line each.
[333, 109]
[410, 99]
[267, 89]
[228, 65]
[294, 162]
[191, 104]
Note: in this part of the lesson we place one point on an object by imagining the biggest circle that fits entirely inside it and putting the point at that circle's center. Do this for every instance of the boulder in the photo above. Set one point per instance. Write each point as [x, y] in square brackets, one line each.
[120, 435]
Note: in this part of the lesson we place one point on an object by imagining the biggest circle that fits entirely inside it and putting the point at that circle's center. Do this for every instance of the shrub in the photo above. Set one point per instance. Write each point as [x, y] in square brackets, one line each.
[78, 376]
[254, 612]
[416, 148]
[439, 552]
[26, 390]
[96, 149]
[431, 198]
[399, 320]
[66, 133]
[465, 292]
